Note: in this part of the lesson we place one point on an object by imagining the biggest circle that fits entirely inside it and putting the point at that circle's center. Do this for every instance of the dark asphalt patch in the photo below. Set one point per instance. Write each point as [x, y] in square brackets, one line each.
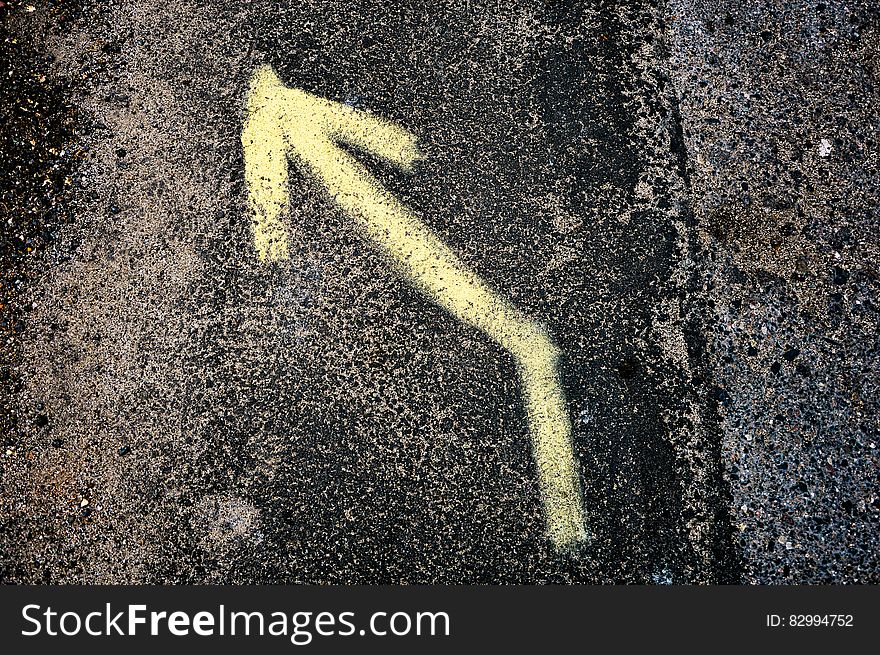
[510, 159]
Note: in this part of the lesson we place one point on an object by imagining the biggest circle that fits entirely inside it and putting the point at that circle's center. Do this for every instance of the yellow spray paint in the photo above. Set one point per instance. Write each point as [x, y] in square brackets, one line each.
[283, 122]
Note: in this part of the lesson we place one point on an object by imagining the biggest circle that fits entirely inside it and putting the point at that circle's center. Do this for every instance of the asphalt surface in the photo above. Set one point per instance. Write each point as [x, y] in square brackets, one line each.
[683, 194]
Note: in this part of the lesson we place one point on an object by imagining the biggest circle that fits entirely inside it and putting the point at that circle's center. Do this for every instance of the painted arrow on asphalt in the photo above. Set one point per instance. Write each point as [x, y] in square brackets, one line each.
[284, 123]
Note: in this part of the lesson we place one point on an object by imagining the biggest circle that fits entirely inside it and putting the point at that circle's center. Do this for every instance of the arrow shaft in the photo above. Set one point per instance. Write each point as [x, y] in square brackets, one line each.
[435, 269]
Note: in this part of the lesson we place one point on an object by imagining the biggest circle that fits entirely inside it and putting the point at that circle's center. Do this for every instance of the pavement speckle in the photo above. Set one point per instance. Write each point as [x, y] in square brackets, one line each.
[684, 192]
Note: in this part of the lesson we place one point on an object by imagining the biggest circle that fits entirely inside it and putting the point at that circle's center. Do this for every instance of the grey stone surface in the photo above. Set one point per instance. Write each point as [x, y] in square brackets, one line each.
[779, 111]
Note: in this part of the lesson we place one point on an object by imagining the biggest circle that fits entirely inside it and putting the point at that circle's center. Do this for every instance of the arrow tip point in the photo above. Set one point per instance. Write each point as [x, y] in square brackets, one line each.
[264, 81]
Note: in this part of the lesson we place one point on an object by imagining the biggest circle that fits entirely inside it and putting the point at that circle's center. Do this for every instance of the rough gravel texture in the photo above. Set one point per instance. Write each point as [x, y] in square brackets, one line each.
[684, 193]
[779, 106]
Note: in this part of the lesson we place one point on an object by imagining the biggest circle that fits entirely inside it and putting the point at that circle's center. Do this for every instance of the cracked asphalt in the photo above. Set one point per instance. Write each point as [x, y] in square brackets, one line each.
[684, 193]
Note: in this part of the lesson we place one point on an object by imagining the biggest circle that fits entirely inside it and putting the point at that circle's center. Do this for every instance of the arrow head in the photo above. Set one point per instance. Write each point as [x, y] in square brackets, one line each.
[281, 121]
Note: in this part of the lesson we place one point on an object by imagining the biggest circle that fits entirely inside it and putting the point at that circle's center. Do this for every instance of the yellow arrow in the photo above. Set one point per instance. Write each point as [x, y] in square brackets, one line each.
[282, 122]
